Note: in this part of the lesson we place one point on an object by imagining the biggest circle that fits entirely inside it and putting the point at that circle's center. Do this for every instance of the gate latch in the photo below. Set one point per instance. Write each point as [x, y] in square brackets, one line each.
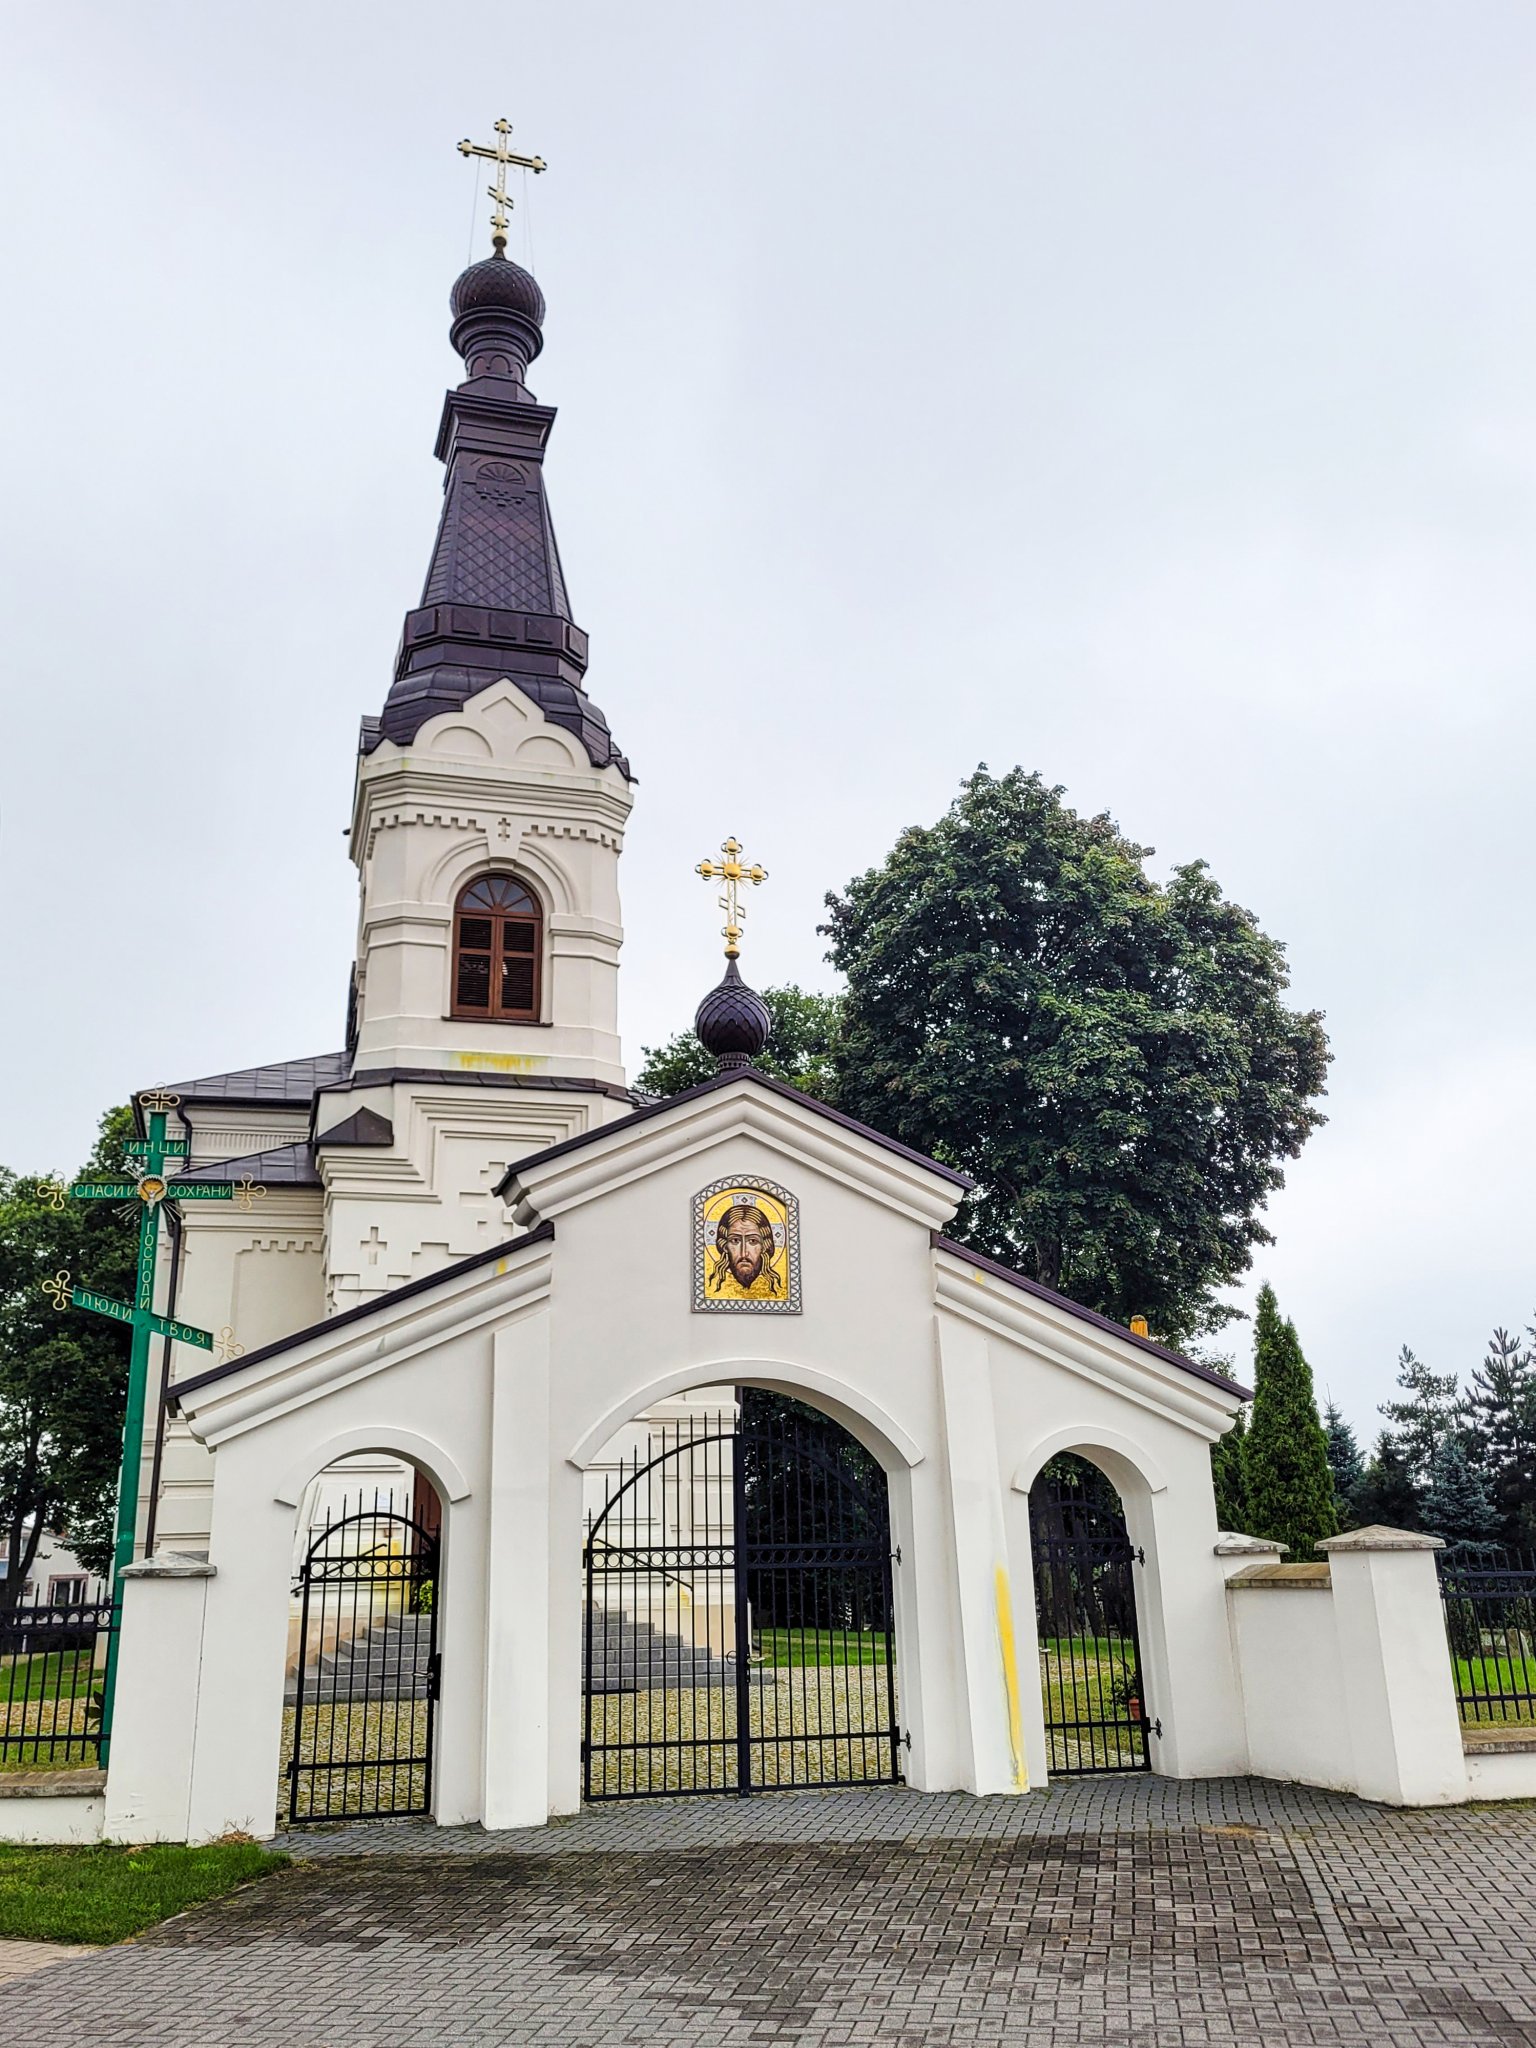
[434, 1675]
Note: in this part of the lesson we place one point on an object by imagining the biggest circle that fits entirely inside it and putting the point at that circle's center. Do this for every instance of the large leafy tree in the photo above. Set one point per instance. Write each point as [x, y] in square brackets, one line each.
[62, 1376]
[1290, 1483]
[1109, 1056]
[799, 1049]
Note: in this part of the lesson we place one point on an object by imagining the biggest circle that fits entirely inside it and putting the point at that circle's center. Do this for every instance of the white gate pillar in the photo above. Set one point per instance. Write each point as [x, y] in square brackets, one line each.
[517, 1580]
[154, 1715]
[1395, 1662]
[991, 1676]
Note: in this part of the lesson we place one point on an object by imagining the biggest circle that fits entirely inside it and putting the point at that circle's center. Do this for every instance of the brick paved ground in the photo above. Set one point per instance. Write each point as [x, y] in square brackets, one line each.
[1102, 1914]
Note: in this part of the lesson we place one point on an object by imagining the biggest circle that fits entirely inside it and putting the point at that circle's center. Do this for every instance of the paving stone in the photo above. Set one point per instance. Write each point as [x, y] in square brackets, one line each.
[1102, 1914]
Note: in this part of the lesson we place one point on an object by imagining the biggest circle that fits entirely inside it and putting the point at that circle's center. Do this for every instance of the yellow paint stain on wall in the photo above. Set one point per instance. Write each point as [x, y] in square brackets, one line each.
[1011, 1680]
[501, 1062]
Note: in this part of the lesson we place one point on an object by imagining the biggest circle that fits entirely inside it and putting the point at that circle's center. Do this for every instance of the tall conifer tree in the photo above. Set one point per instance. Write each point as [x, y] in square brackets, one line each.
[1502, 1404]
[1387, 1494]
[1430, 1409]
[1290, 1483]
[1457, 1506]
[1346, 1465]
[1228, 1457]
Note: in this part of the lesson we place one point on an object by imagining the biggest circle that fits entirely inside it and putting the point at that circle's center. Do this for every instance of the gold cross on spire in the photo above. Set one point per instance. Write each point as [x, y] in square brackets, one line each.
[501, 154]
[733, 871]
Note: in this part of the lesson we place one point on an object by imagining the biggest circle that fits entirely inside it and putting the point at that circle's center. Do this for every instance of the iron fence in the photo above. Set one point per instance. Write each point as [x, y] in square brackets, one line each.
[1489, 1595]
[52, 1664]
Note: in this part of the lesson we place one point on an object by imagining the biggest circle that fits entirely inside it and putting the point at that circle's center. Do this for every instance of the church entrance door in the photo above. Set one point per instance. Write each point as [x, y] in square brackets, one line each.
[362, 1695]
[738, 1631]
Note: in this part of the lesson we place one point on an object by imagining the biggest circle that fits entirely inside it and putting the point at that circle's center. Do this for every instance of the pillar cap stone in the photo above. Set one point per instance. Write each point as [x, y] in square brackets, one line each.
[170, 1564]
[1230, 1544]
[1378, 1538]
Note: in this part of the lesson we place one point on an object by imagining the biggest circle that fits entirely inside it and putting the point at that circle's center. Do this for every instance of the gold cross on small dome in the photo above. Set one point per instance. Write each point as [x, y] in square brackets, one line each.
[733, 871]
[501, 154]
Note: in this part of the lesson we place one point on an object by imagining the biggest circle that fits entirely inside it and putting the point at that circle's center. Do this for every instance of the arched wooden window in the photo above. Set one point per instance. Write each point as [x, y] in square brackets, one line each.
[498, 931]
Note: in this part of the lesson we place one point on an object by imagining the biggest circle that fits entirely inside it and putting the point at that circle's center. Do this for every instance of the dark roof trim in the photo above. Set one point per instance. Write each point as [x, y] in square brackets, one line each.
[475, 1077]
[363, 1127]
[1087, 1315]
[717, 1081]
[285, 1166]
[541, 1234]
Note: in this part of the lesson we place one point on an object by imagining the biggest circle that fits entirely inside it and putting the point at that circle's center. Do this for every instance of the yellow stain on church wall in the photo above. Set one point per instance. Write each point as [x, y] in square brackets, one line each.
[501, 1062]
[1011, 1680]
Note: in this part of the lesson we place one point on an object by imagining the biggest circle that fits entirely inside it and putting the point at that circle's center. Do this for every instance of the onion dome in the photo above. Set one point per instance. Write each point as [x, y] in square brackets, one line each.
[733, 1022]
[498, 318]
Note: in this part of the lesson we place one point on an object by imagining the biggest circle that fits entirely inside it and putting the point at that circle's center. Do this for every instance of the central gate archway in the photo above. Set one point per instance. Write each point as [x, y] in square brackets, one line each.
[739, 1633]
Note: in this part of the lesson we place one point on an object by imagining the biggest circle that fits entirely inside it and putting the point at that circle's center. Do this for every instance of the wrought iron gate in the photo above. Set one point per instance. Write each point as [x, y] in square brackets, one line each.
[738, 1627]
[1096, 1713]
[363, 1693]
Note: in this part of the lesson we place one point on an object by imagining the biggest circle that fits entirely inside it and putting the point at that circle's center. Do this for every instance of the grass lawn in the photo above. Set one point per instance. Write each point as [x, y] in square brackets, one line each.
[1478, 1677]
[61, 1674]
[104, 1894]
[783, 1648]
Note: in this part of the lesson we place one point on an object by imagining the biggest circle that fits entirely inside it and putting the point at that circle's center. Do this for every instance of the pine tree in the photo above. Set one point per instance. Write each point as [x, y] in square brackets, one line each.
[1228, 1455]
[1432, 1409]
[1457, 1506]
[1345, 1463]
[1501, 1404]
[1387, 1497]
[1290, 1485]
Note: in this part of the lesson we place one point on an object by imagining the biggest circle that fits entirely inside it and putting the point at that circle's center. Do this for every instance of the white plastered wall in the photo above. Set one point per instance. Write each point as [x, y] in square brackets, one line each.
[507, 1383]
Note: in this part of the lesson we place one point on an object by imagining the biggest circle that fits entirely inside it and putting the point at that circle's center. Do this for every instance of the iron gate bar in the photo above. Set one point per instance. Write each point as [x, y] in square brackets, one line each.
[755, 1717]
[360, 1768]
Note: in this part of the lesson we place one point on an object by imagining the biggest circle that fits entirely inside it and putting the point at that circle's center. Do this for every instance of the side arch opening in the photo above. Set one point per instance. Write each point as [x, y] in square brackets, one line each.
[363, 1670]
[738, 1626]
[1092, 1681]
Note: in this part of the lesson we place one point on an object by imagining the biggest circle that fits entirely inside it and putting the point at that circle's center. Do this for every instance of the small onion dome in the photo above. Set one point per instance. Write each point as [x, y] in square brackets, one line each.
[498, 316]
[733, 1022]
[498, 281]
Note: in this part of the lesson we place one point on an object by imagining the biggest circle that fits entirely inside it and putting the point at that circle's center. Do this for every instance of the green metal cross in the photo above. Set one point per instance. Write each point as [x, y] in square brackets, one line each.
[152, 1190]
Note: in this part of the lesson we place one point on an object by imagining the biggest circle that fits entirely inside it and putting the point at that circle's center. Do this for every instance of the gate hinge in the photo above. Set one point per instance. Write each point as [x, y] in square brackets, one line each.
[906, 1738]
[1155, 1728]
[1139, 1554]
[896, 1555]
[435, 1675]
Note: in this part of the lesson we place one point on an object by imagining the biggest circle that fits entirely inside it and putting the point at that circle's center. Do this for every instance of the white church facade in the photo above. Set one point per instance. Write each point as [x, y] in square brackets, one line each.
[474, 1272]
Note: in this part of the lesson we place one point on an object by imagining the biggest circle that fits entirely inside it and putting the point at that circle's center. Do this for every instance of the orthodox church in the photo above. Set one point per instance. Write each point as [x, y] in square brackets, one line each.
[487, 822]
[700, 1502]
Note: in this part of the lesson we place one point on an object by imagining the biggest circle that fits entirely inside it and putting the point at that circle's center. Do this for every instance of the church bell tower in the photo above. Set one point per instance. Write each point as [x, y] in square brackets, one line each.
[486, 829]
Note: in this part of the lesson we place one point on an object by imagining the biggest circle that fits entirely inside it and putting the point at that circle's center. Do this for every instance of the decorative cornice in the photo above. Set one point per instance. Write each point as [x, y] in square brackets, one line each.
[1065, 1336]
[230, 1399]
[744, 1105]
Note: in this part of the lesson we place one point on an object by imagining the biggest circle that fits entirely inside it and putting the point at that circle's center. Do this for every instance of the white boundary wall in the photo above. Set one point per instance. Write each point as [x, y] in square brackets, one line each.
[1346, 1677]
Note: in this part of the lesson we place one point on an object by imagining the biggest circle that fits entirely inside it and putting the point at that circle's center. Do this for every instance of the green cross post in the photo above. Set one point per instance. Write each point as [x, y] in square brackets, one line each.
[151, 1190]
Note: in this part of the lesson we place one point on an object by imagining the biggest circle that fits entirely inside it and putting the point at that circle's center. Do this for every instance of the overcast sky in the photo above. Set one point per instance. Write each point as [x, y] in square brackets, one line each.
[1146, 394]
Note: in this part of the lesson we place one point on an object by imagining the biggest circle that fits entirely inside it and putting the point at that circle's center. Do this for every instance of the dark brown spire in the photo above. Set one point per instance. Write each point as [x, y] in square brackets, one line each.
[495, 601]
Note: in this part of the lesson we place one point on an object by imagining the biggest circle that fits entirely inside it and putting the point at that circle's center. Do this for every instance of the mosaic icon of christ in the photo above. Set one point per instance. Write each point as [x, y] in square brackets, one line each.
[747, 1257]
